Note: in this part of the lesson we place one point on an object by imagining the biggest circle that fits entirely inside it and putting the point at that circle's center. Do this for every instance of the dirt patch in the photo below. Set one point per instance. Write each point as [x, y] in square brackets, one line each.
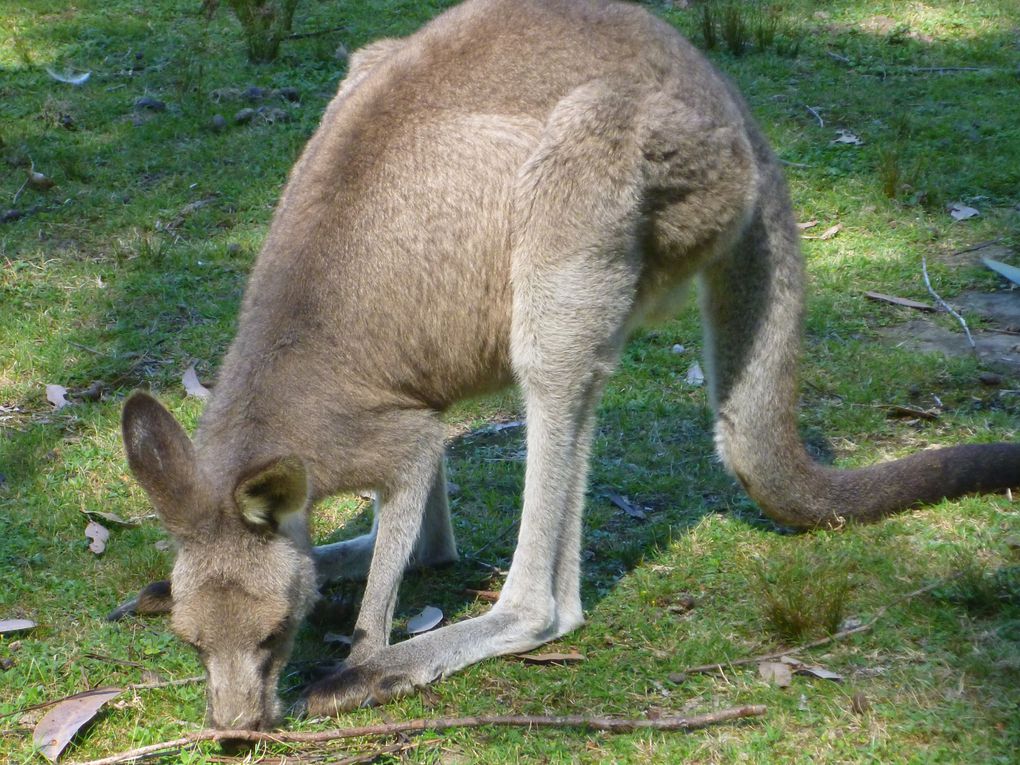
[998, 340]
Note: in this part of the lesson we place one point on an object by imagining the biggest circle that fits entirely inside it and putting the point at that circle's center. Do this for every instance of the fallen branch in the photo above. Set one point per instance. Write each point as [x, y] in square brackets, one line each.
[834, 637]
[607, 724]
[943, 303]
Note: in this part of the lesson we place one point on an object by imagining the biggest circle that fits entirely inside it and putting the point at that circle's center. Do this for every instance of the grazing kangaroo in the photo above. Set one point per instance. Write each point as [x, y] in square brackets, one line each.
[499, 198]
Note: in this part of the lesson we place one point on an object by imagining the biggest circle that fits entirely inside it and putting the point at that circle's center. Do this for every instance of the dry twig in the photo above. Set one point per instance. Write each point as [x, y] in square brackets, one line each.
[607, 724]
[841, 635]
[943, 303]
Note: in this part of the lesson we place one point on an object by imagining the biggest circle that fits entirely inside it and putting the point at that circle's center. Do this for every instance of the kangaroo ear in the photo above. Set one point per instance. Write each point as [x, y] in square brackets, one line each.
[162, 458]
[273, 492]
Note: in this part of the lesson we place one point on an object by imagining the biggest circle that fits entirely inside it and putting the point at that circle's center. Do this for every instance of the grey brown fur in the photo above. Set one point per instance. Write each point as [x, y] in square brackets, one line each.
[501, 197]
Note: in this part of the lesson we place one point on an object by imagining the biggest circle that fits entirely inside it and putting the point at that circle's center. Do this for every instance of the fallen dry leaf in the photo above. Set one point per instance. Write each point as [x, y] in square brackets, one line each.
[15, 625]
[67, 77]
[429, 617]
[57, 395]
[820, 672]
[628, 507]
[807, 224]
[110, 517]
[552, 657]
[960, 211]
[58, 726]
[98, 534]
[847, 137]
[776, 672]
[192, 385]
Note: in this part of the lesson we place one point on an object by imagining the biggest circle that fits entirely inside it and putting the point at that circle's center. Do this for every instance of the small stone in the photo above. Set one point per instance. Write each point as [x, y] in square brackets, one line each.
[244, 116]
[150, 103]
[218, 122]
[990, 378]
[677, 678]
[678, 349]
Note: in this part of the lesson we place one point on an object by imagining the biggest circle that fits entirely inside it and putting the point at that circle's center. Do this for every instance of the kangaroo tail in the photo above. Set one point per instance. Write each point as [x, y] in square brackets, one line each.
[752, 302]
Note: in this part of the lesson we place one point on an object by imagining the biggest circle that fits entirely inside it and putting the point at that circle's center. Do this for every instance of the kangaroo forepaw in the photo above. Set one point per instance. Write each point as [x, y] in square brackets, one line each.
[362, 685]
[154, 598]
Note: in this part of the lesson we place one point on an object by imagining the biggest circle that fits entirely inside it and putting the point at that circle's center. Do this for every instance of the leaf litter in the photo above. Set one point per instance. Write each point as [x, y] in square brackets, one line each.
[98, 535]
[111, 518]
[780, 673]
[627, 506]
[429, 617]
[960, 211]
[58, 726]
[16, 625]
[57, 395]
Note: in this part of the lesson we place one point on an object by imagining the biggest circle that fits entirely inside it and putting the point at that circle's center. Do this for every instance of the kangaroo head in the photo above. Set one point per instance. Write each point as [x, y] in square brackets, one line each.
[244, 578]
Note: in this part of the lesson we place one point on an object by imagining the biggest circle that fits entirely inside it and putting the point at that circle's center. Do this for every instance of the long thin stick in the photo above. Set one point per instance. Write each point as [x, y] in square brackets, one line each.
[319, 33]
[841, 635]
[943, 303]
[608, 724]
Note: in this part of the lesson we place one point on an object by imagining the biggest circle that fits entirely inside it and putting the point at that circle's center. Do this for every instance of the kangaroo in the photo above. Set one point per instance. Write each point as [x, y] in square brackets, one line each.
[499, 198]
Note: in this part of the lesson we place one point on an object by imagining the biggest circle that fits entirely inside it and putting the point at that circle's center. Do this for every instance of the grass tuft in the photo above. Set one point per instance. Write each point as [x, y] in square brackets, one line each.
[804, 591]
[984, 592]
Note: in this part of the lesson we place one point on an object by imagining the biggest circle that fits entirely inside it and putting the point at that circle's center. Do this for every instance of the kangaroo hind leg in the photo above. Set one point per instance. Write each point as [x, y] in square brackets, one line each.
[575, 266]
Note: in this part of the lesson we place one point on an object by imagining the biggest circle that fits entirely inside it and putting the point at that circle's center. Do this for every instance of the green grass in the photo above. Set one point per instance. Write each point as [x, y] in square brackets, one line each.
[116, 275]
